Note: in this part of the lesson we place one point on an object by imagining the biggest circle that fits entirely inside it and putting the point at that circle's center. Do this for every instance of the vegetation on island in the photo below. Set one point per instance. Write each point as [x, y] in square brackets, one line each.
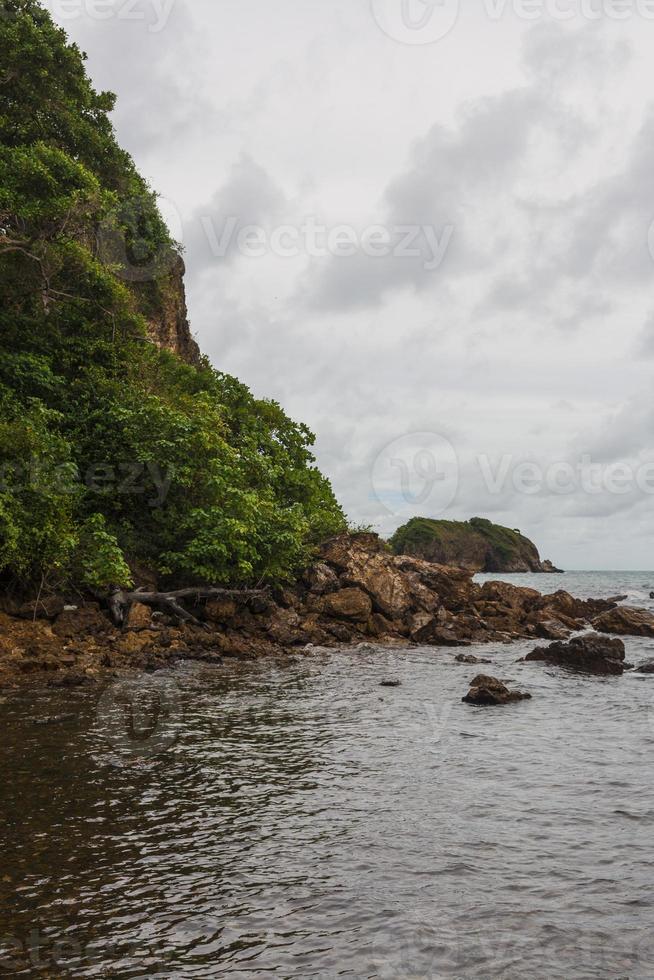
[113, 453]
[477, 544]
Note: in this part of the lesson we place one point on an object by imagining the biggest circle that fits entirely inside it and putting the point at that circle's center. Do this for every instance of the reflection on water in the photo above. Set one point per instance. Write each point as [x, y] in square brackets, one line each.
[306, 823]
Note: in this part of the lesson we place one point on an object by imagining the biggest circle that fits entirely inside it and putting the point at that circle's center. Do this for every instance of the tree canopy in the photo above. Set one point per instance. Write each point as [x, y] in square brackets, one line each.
[115, 454]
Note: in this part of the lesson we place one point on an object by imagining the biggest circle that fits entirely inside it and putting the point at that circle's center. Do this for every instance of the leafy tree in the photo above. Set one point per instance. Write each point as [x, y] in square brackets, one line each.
[141, 457]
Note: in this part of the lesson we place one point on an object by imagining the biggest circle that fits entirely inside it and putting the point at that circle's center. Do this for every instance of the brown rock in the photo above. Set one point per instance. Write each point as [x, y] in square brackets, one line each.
[551, 629]
[85, 621]
[590, 654]
[140, 617]
[488, 691]
[320, 578]
[222, 611]
[348, 604]
[48, 607]
[365, 563]
[626, 621]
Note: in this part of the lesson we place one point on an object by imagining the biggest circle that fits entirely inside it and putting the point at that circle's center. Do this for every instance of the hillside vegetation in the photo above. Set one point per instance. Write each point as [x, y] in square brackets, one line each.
[477, 544]
[116, 455]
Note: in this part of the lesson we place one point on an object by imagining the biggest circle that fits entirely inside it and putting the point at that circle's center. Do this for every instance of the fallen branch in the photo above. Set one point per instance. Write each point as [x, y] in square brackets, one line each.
[120, 602]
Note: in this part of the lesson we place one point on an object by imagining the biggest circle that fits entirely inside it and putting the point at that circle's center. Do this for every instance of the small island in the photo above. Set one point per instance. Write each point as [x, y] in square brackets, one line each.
[477, 545]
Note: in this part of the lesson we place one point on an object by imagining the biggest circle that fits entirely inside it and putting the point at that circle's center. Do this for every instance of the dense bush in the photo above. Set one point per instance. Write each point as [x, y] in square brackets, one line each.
[112, 451]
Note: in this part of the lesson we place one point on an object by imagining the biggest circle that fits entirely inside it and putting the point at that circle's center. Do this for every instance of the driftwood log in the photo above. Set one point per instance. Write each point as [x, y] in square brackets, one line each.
[120, 602]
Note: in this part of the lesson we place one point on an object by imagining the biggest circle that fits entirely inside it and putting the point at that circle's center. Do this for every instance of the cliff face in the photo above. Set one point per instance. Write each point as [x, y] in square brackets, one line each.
[163, 303]
[477, 545]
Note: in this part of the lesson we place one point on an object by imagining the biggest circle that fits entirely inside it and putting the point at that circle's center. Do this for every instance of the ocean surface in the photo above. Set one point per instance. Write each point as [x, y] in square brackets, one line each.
[304, 822]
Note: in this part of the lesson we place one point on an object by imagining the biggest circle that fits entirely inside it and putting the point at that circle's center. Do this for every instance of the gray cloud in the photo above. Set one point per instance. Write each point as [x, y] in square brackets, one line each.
[532, 339]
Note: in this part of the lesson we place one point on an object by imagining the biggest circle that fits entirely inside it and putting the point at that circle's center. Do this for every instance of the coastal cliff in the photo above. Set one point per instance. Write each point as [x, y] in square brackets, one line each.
[477, 545]
[163, 305]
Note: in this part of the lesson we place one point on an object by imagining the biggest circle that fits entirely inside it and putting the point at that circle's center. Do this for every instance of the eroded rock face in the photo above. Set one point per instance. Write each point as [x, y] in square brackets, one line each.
[590, 654]
[626, 621]
[364, 563]
[488, 691]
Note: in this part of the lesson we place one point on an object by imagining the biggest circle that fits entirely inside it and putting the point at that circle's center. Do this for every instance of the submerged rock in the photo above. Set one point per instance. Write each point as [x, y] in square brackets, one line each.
[391, 683]
[590, 654]
[626, 621]
[467, 658]
[646, 668]
[489, 691]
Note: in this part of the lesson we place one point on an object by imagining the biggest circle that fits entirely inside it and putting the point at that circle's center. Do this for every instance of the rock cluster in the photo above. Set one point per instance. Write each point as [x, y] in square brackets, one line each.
[355, 592]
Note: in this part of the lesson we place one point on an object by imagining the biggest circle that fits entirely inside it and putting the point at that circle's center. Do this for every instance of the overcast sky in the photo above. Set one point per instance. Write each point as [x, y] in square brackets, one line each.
[450, 278]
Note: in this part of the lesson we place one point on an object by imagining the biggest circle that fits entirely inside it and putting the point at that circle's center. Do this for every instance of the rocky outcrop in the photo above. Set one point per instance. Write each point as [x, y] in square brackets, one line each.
[487, 691]
[589, 654]
[478, 545]
[163, 303]
[626, 621]
[356, 592]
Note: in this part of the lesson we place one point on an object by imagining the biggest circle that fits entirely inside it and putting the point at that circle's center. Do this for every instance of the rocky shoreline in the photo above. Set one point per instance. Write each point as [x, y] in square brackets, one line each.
[355, 592]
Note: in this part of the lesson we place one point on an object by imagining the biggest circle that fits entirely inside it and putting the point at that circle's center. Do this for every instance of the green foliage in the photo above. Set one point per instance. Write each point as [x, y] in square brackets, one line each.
[454, 540]
[98, 560]
[142, 457]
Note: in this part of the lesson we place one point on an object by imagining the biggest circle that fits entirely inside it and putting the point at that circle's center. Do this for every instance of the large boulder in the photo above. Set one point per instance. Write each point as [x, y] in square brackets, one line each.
[352, 604]
[590, 654]
[626, 621]
[487, 691]
[364, 563]
[453, 586]
[571, 607]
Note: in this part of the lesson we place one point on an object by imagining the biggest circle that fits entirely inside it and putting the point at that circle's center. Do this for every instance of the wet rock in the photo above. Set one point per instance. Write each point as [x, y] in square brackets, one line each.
[348, 604]
[567, 606]
[552, 629]
[433, 633]
[589, 654]
[646, 668]
[489, 691]
[626, 621]
[465, 658]
[391, 683]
